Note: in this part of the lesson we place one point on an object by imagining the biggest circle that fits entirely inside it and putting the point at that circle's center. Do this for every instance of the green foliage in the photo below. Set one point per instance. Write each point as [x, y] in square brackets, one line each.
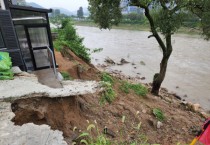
[108, 95]
[107, 78]
[66, 76]
[137, 88]
[69, 38]
[202, 9]
[167, 16]
[88, 138]
[105, 12]
[167, 22]
[134, 18]
[94, 136]
[58, 45]
[191, 20]
[158, 114]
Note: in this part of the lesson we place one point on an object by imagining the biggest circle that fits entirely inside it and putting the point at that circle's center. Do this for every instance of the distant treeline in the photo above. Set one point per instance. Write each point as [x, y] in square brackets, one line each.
[190, 20]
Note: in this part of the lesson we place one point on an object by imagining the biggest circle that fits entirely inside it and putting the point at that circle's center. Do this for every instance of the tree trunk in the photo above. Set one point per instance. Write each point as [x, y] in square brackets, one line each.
[166, 48]
[159, 77]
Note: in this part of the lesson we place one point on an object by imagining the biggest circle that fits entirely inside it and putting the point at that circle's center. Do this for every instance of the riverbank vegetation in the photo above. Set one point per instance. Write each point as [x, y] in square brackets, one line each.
[134, 21]
[68, 38]
[140, 23]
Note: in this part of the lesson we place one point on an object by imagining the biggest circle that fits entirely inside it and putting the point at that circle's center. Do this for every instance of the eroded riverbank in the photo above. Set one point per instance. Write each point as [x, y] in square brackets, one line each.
[189, 66]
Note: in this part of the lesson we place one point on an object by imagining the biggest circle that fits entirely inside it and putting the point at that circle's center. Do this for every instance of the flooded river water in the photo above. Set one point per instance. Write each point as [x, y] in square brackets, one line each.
[188, 69]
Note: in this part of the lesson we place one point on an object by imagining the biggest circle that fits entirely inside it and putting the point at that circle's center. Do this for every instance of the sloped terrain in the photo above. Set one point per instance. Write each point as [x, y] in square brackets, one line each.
[72, 115]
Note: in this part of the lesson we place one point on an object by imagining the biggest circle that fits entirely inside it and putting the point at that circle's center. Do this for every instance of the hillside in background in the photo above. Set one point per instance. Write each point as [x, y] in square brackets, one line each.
[62, 10]
[32, 4]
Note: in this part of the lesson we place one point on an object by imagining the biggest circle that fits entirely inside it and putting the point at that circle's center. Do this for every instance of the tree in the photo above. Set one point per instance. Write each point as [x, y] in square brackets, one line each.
[80, 13]
[164, 16]
[202, 9]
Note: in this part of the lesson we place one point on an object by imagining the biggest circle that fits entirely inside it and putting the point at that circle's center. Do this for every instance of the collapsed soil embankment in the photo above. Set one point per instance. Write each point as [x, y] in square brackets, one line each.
[75, 66]
[67, 113]
[60, 113]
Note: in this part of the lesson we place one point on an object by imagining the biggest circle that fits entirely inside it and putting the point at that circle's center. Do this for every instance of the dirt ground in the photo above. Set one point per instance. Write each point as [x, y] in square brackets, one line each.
[76, 67]
[179, 126]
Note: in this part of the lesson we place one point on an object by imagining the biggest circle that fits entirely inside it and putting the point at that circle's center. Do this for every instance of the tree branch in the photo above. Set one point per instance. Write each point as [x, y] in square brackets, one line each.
[151, 36]
[152, 24]
[163, 5]
[153, 30]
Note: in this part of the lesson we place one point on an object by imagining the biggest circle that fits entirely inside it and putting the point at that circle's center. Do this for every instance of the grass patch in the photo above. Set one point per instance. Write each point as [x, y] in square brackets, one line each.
[87, 138]
[158, 114]
[105, 77]
[138, 89]
[108, 95]
[66, 76]
[99, 138]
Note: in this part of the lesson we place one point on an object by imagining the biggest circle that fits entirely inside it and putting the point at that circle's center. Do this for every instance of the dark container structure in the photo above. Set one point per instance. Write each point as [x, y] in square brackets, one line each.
[25, 33]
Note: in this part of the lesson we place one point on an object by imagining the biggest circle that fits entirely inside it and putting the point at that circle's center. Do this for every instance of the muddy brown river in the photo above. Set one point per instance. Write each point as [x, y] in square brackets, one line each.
[188, 69]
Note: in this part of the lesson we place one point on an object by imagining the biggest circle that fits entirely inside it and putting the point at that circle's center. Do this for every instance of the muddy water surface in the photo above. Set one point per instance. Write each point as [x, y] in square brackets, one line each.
[189, 66]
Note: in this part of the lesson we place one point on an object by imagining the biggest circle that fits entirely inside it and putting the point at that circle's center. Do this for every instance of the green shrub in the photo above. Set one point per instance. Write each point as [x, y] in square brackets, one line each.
[66, 76]
[57, 45]
[107, 78]
[69, 38]
[108, 95]
[137, 88]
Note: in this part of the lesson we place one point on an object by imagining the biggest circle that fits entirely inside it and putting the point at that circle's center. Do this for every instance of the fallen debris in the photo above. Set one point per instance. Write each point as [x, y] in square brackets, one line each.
[28, 86]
